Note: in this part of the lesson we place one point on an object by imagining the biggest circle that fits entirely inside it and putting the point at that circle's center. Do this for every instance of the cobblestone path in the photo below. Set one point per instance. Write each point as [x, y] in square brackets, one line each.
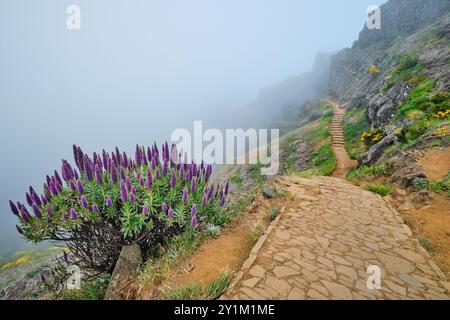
[322, 244]
[343, 161]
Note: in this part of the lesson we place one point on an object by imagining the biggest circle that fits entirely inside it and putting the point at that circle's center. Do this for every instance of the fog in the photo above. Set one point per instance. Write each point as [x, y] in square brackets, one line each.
[139, 69]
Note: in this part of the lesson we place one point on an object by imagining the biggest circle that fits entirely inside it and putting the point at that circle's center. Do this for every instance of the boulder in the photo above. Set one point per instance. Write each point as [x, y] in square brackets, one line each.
[406, 175]
[268, 192]
[421, 198]
[125, 271]
[381, 107]
[303, 153]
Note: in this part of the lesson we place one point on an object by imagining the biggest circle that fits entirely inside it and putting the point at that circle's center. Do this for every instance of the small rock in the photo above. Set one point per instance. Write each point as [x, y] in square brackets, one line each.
[421, 198]
[268, 192]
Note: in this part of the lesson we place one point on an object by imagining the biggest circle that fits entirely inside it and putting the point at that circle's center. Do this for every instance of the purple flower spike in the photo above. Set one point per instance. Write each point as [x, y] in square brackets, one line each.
[222, 200]
[173, 179]
[164, 168]
[64, 216]
[58, 187]
[128, 183]
[181, 176]
[133, 189]
[194, 209]
[80, 187]
[87, 168]
[98, 174]
[158, 174]
[13, 207]
[204, 198]
[28, 198]
[65, 256]
[193, 186]
[123, 191]
[226, 188]
[188, 176]
[194, 221]
[35, 198]
[73, 213]
[170, 213]
[164, 207]
[108, 202]
[75, 174]
[132, 197]
[145, 210]
[37, 211]
[94, 207]
[72, 185]
[57, 177]
[84, 202]
[141, 182]
[185, 195]
[113, 170]
[49, 211]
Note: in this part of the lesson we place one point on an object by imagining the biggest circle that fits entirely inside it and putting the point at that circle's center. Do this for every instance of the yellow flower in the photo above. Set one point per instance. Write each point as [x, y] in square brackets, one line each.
[373, 70]
[442, 132]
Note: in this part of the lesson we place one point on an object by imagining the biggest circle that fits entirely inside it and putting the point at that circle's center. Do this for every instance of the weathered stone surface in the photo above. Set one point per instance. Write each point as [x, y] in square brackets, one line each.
[360, 229]
[421, 198]
[282, 272]
[126, 269]
[268, 192]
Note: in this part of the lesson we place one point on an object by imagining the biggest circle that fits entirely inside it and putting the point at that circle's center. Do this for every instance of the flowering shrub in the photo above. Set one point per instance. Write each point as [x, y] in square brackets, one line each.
[373, 70]
[371, 137]
[442, 114]
[442, 132]
[112, 199]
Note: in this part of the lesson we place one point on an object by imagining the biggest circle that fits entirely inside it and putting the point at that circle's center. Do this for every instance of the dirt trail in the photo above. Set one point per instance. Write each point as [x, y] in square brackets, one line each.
[436, 163]
[226, 252]
[343, 161]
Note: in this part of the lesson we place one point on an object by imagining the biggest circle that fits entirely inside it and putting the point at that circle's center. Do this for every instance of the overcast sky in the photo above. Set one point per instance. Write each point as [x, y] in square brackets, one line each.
[138, 69]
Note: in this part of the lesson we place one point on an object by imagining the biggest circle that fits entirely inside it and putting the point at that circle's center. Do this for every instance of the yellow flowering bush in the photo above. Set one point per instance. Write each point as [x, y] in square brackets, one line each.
[442, 132]
[371, 137]
[442, 114]
[373, 70]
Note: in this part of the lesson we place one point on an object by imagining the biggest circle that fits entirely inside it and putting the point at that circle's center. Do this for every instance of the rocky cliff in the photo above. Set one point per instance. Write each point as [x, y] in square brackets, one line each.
[402, 22]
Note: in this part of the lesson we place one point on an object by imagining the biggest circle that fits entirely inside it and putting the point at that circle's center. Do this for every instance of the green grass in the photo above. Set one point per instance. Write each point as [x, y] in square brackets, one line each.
[319, 132]
[195, 291]
[418, 98]
[288, 146]
[442, 186]
[377, 170]
[91, 290]
[255, 174]
[381, 189]
[323, 161]
[257, 233]
[237, 180]
[273, 214]
[156, 268]
[355, 123]
[426, 244]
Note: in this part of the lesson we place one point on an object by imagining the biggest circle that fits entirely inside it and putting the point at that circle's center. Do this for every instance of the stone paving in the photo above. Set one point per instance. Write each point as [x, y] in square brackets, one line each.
[343, 161]
[321, 246]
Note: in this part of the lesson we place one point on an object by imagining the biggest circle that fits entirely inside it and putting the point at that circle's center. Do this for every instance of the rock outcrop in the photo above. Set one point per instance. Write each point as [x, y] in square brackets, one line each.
[126, 269]
[349, 79]
[381, 107]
